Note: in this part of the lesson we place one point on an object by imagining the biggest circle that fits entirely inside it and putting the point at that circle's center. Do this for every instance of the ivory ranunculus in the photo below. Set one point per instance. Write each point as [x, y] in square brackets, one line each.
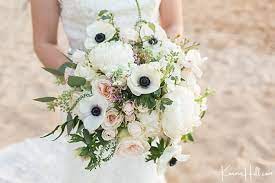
[178, 118]
[135, 129]
[151, 123]
[111, 56]
[144, 79]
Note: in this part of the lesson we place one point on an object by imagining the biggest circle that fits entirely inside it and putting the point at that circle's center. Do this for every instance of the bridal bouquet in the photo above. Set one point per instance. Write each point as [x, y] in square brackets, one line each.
[131, 92]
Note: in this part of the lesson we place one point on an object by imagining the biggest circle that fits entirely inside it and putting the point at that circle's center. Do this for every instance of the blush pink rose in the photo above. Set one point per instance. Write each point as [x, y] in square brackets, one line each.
[112, 120]
[130, 147]
[128, 108]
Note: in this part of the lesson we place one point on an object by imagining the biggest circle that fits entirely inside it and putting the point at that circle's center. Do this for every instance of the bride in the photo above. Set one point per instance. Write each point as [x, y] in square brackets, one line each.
[43, 161]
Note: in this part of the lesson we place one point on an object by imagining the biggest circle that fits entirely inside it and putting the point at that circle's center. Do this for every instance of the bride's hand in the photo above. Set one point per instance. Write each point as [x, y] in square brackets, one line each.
[171, 16]
[45, 18]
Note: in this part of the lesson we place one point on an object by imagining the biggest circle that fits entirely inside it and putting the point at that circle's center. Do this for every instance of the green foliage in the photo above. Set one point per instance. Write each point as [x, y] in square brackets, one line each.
[70, 124]
[45, 99]
[147, 101]
[208, 92]
[164, 102]
[187, 138]
[155, 152]
[75, 81]
[96, 149]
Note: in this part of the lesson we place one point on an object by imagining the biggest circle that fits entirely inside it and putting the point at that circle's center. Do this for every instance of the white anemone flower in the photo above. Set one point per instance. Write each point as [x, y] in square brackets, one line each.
[170, 157]
[152, 36]
[144, 79]
[99, 32]
[92, 111]
[111, 56]
[180, 117]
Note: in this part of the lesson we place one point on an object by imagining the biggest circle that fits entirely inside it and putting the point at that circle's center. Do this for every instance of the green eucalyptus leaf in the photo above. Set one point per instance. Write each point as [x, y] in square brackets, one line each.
[152, 26]
[45, 99]
[75, 81]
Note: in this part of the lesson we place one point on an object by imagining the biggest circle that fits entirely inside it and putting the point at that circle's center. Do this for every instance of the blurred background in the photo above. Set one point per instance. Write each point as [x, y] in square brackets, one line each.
[239, 130]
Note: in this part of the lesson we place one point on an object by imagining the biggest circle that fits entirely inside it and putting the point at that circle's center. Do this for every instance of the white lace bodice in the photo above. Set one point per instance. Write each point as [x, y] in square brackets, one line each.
[78, 14]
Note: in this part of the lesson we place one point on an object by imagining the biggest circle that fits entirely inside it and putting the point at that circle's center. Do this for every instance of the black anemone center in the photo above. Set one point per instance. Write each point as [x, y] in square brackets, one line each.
[153, 41]
[173, 162]
[100, 37]
[144, 81]
[96, 111]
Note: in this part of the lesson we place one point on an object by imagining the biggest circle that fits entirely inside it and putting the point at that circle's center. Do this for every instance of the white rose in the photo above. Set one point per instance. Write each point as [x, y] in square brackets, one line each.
[151, 123]
[179, 117]
[92, 111]
[113, 119]
[78, 57]
[111, 56]
[129, 34]
[131, 147]
[109, 134]
[99, 32]
[85, 71]
[135, 129]
[144, 79]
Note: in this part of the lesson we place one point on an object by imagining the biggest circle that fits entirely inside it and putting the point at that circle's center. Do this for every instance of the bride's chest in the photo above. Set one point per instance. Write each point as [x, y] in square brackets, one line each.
[83, 9]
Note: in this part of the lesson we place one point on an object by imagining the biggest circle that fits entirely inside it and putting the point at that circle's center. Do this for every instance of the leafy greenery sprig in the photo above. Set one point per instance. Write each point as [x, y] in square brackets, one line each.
[156, 150]
[96, 149]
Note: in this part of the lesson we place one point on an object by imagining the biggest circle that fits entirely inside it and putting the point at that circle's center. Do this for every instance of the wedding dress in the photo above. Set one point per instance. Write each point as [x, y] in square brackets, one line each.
[44, 161]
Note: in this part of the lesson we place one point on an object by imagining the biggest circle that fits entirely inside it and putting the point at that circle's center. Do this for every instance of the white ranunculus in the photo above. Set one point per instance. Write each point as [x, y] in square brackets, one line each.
[193, 60]
[144, 79]
[151, 123]
[178, 118]
[78, 57]
[92, 111]
[99, 32]
[129, 34]
[111, 56]
[85, 71]
[170, 156]
[135, 129]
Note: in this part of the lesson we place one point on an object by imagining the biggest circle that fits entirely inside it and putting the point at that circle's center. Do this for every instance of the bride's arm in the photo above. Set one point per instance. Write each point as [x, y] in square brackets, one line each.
[171, 16]
[45, 18]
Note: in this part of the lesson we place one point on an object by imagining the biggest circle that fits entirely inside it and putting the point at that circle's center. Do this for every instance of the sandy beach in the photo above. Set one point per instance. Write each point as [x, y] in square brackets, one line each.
[238, 132]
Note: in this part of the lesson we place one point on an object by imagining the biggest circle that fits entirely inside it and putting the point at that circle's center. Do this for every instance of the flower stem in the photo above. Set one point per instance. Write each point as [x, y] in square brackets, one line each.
[139, 10]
